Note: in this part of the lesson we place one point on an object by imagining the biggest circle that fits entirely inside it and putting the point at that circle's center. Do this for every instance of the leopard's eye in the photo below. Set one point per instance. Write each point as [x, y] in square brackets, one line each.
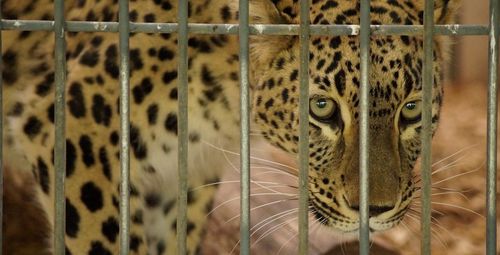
[322, 108]
[412, 111]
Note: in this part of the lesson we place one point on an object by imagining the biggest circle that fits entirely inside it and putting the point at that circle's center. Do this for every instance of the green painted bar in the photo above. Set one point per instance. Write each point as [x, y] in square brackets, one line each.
[182, 126]
[304, 128]
[364, 228]
[427, 84]
[60, 128]
[491, 182]
[84, 26]
[245, 129]
[124, 34]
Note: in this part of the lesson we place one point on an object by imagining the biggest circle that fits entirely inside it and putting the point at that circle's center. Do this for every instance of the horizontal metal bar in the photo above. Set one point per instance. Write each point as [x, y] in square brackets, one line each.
[292, 29]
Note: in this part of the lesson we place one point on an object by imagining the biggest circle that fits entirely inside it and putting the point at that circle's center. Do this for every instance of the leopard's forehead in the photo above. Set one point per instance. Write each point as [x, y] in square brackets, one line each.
[347, 12]
[395, 73]
[395, 65]
[395, 70]
[395, 61]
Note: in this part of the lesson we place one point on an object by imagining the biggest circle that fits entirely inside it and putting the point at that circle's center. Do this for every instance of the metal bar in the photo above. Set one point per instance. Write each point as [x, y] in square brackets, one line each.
[255, 29]
[124, 34]
[245, 128]
[304, 127]
[182, 127]
[427, 84]
[1, 136]
[491, 182]
[60, 127]
[364, 228]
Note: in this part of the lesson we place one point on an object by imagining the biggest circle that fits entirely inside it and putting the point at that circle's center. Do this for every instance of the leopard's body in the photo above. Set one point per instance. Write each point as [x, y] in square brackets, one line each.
[92, 126]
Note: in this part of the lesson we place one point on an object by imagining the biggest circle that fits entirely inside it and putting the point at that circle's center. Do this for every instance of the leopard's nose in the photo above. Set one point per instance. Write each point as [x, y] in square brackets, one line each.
[374, 210]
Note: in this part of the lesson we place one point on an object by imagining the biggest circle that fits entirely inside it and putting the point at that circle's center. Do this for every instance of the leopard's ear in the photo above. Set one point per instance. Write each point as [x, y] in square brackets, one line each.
[445, 11]
[263, 48]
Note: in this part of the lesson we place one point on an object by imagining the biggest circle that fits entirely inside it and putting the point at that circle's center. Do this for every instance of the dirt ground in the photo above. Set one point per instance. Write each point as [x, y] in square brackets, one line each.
[458, 227]
[459, 202]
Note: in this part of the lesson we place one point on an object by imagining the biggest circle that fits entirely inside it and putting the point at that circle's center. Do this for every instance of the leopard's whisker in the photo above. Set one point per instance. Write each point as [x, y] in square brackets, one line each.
[315, 226]
[231, 182]
[343, 246]
[272, 218]
[251, 195]
[456, 153]
[236, 169]
[271, 172]
[413, 216]
[272, 189]
[450, 189]
[450, 164]
[475, 169]
[437, 235]
[438, 170]
[447, 193]
[438, 224]
[419, 189]
[286, 242]
[272, 230]
[251, 157]
[224, 152]
[456, 176]
[405, 225]
[456, 206]
[287, 212]
[258, 207]
[418, 212]
[434, 232]
[371, 243]
[275, 170]
[434, 220]
[234, 247]
[459, 207]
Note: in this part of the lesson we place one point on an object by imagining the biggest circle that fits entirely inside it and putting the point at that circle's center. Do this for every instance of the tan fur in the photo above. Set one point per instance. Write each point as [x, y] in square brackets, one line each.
[93, 123]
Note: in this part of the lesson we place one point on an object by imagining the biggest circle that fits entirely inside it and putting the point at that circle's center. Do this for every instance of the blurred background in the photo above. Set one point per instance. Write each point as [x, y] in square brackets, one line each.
[470, 63]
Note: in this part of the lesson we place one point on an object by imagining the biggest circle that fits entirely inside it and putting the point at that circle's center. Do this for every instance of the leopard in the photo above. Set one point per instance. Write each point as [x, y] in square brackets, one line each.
[92, 126]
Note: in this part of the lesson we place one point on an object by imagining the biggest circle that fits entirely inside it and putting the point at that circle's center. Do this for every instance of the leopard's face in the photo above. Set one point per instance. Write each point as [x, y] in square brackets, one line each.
[395, 125]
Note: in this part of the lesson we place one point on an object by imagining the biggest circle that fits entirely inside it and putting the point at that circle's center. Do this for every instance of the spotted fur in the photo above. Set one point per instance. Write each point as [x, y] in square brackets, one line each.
[92, 94]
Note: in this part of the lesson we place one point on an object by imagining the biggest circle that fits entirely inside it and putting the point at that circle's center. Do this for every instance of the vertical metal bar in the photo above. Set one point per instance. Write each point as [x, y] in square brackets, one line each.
[60, 127]
[491, 200]
[123, 29]
[304, 127]
[182, 127]
[364, 228]
[245, 129]
[1, 136]
[427, 84]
